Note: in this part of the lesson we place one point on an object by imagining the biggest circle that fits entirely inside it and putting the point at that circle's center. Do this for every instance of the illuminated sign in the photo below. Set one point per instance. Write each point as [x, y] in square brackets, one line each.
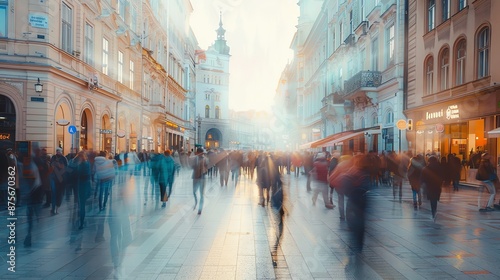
[434, 115]
[4, 136]
[452, 112]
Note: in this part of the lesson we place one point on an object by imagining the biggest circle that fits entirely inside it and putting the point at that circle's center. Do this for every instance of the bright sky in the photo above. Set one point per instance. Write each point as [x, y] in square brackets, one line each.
[259, 33]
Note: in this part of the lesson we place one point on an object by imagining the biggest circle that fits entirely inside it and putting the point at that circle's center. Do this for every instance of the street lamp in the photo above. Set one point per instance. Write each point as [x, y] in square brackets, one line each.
[38, 87]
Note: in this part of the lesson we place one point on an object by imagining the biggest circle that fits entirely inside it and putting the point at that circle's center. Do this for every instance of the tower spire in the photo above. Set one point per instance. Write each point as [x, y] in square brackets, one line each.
[220, 43]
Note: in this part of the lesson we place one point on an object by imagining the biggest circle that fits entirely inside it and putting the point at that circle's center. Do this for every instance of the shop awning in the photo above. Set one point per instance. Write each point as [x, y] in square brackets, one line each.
[495, 133]
[306, 145]
[342, 136]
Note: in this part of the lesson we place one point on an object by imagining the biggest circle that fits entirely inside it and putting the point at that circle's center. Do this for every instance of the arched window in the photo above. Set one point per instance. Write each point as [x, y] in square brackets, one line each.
[445, 67]
[374, 119]
[460, 65]
[362, 122]
[207, 111]
[483, 44]
[217, 112]
[429, 75]
[389, 117]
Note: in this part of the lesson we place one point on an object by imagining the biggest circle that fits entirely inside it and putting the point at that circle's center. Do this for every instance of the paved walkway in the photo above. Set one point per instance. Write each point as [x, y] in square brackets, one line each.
[234, 237]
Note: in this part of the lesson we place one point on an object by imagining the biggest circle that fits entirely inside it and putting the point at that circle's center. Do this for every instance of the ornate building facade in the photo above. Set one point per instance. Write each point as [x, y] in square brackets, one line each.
[99, 75]
[212, 94]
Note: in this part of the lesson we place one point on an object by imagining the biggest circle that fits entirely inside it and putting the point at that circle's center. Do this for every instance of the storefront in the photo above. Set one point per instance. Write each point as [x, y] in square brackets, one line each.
[457, 127]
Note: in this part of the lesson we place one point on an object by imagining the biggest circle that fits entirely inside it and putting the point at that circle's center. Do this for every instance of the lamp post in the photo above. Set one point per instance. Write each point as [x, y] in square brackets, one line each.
[198, 120]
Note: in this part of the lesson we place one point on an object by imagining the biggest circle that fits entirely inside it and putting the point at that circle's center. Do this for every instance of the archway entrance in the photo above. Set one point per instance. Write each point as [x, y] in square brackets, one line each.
[106, 133]
[63, 138]
[213, 138]
[86, 131]
[7, 123]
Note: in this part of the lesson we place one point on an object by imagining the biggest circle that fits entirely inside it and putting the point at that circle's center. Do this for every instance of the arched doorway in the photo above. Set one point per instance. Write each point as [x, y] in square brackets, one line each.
[106, 133]
[7, 123]
[86, 131]
[63, 119]
[213, 138]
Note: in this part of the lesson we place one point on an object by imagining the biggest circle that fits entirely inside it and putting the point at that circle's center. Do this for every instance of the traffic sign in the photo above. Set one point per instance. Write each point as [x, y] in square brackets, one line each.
[72, 129]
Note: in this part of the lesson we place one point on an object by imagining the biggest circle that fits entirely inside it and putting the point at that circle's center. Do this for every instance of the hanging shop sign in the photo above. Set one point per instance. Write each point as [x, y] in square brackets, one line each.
[439, 127]
[120, 133]
[452, 112]
[401, 124]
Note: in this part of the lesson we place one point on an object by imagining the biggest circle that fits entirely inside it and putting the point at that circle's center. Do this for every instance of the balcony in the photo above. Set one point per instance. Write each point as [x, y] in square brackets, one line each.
[361, 82]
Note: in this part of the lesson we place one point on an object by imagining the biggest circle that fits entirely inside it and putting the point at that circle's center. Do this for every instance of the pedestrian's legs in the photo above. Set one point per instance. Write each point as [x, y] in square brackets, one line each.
[433, 207]
[53, 194]
[107, 186]
[101, 193]
[308, 184]
[196, 186]
[341, 206]
[202, 195]
[491, 189]
[414, 192]
[480, 191]
[261, 196]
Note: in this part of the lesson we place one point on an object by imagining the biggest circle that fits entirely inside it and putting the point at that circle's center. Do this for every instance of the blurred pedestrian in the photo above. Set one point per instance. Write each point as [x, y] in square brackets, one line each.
[415, 167]
[354, 182]
[455, 166]
[34, 198]
[308, 161]
[320, 176]
[83, 182]
[166, 176]
[104, 176]
[59, 164]
[486, 174]
[200, 167]
[432, 178]
[222, 164]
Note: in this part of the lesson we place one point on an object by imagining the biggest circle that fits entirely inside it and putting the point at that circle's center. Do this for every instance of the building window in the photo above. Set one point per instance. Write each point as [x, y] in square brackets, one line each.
[462, 4]
[217, 112]
[207, 111]
[89, 44]
[120, 67]
[105, 56]
[66, 29]
[483, 44]
[362, 122]
[390, 44]
[341, 32]
[375, 54]
[445, 66]
[446, 10]
[431, 14]
[3, 18]
[121, 8]
[429, 73]
[389, 117]
[362, 10]
[374, 119]
[460, 65]
[351, 23]
[131, 74]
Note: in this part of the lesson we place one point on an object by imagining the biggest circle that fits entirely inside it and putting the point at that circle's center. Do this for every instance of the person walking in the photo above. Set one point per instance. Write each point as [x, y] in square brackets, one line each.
[486, 174]
[200, 168]
[432, 177]
[83, 183]
[59, 164]
[104, 171]
[166, 172]
[415, 167]
[320, 177]
[223, 167]
[455, 166]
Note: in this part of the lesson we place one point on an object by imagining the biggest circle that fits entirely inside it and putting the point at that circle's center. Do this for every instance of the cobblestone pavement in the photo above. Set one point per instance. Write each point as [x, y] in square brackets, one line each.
[234, 237]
